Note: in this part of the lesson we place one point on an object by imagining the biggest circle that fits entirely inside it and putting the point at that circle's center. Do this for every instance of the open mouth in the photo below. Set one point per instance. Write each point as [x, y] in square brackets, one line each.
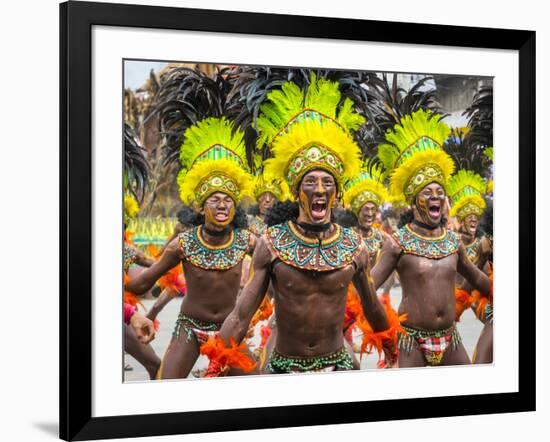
[221, 216]
[473, 227]
[319, 210]
[434, 210]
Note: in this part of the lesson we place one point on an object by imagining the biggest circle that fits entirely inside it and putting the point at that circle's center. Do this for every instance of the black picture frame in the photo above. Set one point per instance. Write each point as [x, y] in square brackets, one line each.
[76, 21]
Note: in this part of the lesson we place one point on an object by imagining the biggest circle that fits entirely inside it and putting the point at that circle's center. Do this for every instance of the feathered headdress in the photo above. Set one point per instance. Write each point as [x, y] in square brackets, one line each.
[309, 130]
[136, 167]
[263, 185]
[366, 187]
[187, 96]
[387, 104]
[251, 86]
[213, 160]
[480, 118]
[131, 207]
[414, 155]
[466, 190]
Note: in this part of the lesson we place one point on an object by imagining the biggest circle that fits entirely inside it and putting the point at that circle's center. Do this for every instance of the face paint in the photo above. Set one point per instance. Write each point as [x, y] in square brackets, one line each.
[469, 225]
[316, 197]
[218, 210]
[266, 202]
[429, 204]
[367, 215]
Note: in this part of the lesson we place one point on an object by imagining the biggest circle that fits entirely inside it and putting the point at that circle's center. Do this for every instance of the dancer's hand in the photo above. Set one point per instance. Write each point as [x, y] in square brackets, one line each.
[390, 353]
[144, 328]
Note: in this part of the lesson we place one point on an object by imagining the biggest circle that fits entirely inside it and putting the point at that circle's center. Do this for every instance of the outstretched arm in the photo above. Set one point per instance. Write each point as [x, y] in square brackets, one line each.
[142, 260]
[171, 257]
[471, 273]
[372, 307]
[387, 262]
[250, 298]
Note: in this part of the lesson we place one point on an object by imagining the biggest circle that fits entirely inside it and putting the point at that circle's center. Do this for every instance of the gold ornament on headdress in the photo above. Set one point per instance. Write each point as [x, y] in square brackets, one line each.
[366, 187]
[414, 155]
[212, 156]
[466, 190]
[263, 185]
[309, 130]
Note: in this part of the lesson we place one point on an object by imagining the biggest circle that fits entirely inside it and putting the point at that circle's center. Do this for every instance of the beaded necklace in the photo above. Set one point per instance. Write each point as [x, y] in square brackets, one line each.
[130, 256]
[374, 242]
[299, 251]
[209, 257]
[472, 250]
[433, 248]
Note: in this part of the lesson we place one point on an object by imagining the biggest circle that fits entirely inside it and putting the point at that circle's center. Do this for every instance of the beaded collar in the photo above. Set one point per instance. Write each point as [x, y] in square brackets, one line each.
[433, 248]
[472, 250]
[296, 250]
[130, 256]
[205, 256]
[256, 225]
[374, 242]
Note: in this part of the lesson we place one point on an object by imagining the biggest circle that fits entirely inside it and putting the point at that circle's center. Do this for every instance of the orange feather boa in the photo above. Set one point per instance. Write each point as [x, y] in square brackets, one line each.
[223, 358]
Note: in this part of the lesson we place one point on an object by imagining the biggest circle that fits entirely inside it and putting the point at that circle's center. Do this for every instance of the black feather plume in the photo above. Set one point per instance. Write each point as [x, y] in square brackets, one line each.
[186, 96]
[136, 167]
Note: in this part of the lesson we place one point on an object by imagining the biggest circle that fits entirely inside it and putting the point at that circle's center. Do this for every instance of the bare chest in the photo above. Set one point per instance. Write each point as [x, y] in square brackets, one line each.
[423, 268]
[290, 281]
[212, 281]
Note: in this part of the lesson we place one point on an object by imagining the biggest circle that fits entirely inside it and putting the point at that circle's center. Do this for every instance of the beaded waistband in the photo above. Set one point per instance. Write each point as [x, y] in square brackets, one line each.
[187, 323]
[279, 363]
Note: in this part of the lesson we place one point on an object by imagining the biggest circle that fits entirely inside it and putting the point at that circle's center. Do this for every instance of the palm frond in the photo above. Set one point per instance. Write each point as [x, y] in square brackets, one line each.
[136, 167]
[480, 118]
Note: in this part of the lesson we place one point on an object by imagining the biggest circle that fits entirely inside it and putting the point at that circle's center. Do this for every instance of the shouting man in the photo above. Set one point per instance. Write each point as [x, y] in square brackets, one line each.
[424, 253]
[215, 178]
[309, 260]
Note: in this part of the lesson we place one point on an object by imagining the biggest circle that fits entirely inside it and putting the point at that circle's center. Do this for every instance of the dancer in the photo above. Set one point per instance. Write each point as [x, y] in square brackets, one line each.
[266, 193]
[214, 179]
[424, 253]
[136, 173]
[309, 260]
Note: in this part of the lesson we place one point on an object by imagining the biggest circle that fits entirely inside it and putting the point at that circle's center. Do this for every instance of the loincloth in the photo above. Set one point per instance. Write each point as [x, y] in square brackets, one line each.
[488, 312]
[335, 361]
[201, 330]
[433, 344]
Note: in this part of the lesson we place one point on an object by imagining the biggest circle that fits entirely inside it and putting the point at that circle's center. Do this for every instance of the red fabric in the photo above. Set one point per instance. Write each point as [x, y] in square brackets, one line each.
[129, 311]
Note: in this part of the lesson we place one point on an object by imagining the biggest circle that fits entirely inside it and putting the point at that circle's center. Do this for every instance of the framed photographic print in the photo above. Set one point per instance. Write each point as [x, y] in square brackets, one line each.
[295, 220]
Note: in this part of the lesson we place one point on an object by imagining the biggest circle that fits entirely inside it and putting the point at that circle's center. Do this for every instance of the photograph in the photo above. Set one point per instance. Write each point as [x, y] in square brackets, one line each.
[302, 220]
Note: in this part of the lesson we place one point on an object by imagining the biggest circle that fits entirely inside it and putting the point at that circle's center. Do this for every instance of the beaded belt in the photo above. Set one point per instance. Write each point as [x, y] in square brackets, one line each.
[192, 325]
[338, 360]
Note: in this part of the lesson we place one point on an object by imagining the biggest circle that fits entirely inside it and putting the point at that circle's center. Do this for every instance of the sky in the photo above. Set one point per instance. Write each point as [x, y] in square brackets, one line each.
[136, 72]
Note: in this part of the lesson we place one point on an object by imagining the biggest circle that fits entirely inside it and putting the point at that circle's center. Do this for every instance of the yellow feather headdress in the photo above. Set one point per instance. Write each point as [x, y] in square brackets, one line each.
[466, 190]
[309, 130]
[131, 207]
[263, 185]
[213, 160]
[414, 155]
[366, 187]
